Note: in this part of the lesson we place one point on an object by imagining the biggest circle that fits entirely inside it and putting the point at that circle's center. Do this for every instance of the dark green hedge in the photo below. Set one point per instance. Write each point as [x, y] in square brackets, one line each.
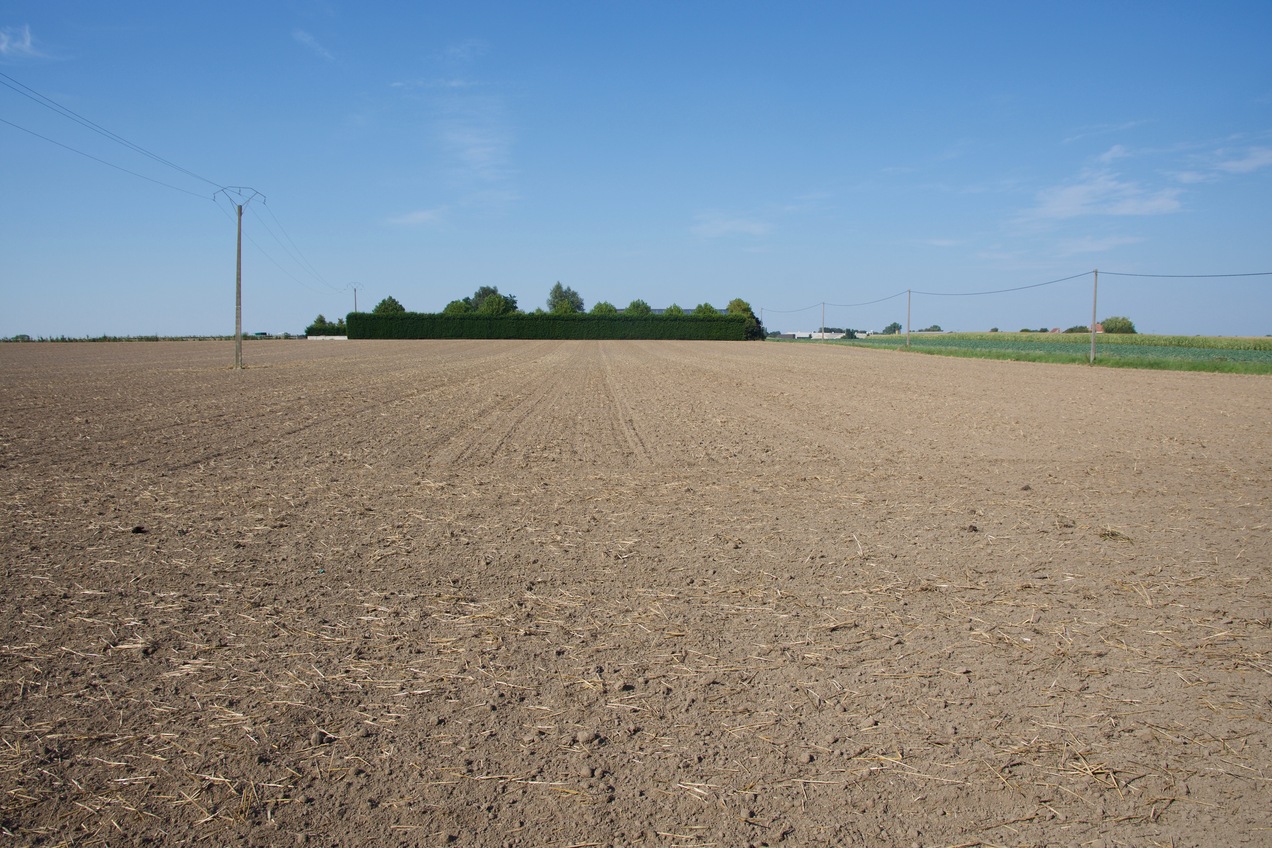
[418, 325]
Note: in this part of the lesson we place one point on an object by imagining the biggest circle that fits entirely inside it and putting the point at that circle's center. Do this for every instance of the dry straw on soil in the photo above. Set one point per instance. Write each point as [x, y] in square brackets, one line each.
[539, 593]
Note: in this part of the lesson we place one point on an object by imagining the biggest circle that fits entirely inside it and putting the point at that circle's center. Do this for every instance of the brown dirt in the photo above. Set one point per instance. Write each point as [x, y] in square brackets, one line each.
[559, 593]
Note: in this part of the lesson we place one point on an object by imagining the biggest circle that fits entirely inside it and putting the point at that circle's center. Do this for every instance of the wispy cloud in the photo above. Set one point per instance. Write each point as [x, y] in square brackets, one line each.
[1091, 244]
[720, 225]
[16, 43]
[1245, 161]
[420, 218]
[477, 141]
[467, 124]
[307, 39]
[1102, 191]
[1101, 129]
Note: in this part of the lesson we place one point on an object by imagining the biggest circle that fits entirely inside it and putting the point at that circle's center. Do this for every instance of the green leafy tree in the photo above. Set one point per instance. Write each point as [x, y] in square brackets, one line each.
[604, 307]
[1118, 324]
[389, 306]
[754, 329]
[1078, 328]
[563, 300]
[705, 310]
[322, 327]
[675, 310]
[935, 328]
[457, 307]
[497, 304]
[639, 308]
[487, 300]
[892, 329]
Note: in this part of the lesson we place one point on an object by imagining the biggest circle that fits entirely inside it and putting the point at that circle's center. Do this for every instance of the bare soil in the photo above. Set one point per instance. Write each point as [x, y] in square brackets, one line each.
[618, 593]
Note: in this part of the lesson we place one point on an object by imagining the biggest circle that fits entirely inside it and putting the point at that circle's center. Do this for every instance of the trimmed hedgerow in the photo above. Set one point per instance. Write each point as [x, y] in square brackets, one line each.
[417, 325]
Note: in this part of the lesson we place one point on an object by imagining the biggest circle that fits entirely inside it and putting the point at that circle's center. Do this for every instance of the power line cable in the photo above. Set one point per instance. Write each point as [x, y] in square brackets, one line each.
[1001, 291]
[294, 251]
[868, 302]
[104, 162]
[788, 311]
[257, 245]
[1188, 276]
[54, 106]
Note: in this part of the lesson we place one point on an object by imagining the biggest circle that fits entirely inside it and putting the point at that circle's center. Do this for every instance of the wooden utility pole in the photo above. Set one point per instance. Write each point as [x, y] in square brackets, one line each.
[238, 295]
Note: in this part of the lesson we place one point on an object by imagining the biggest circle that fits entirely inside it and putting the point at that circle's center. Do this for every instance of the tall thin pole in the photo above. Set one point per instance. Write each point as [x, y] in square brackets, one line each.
[355, 298]
[238, 295]
[1095, 292]
[907, 317]
[823, 327]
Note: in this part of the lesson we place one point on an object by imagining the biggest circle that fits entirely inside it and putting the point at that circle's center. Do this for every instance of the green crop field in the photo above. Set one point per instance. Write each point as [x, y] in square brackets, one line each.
[1191, 353]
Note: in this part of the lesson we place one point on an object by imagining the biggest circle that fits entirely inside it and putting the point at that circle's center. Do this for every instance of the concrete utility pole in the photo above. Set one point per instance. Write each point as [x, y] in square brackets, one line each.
[907, 317]
[252, 193]
[1095, 292]
[238, 296]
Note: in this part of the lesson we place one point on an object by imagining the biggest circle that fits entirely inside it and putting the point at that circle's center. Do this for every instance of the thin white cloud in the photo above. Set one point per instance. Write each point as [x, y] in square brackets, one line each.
[1114, 153]
[1251, 159]
[1101, 129]
[717, 225]
[420, 218]
[468, 136]
[1102, 192]
[1073, 247]
[477, 142]
[465, 52]
[16, 43]
[307, 39]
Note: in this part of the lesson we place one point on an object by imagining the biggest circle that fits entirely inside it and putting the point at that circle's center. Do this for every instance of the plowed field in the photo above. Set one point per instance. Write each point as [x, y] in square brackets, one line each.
[618, 593]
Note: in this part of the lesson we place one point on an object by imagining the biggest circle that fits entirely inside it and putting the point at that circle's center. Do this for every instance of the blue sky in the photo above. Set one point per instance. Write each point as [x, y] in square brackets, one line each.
[786, 153]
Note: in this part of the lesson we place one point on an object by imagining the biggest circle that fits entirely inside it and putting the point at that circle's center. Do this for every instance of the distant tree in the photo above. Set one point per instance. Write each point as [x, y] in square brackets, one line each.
[935, 328]
[705, 310]
[674, 310]
[564, 300]
[1078, 328]
[604, 307]
[322, 327]
[892, 329]
[457, 307]
[496, 304]
[1118, 324]
[993, 329]
[389, 306]
[639, 308]
[487, 300]
[754, 329]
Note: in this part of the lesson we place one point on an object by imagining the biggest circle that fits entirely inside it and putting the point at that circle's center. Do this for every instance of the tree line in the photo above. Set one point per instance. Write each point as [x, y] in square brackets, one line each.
[562, 300]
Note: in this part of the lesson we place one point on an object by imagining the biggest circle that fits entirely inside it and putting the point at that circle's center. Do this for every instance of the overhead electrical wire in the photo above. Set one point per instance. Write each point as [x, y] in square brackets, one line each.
[1001, 291]
[103, 161]
[53, 105]
[294, 252]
